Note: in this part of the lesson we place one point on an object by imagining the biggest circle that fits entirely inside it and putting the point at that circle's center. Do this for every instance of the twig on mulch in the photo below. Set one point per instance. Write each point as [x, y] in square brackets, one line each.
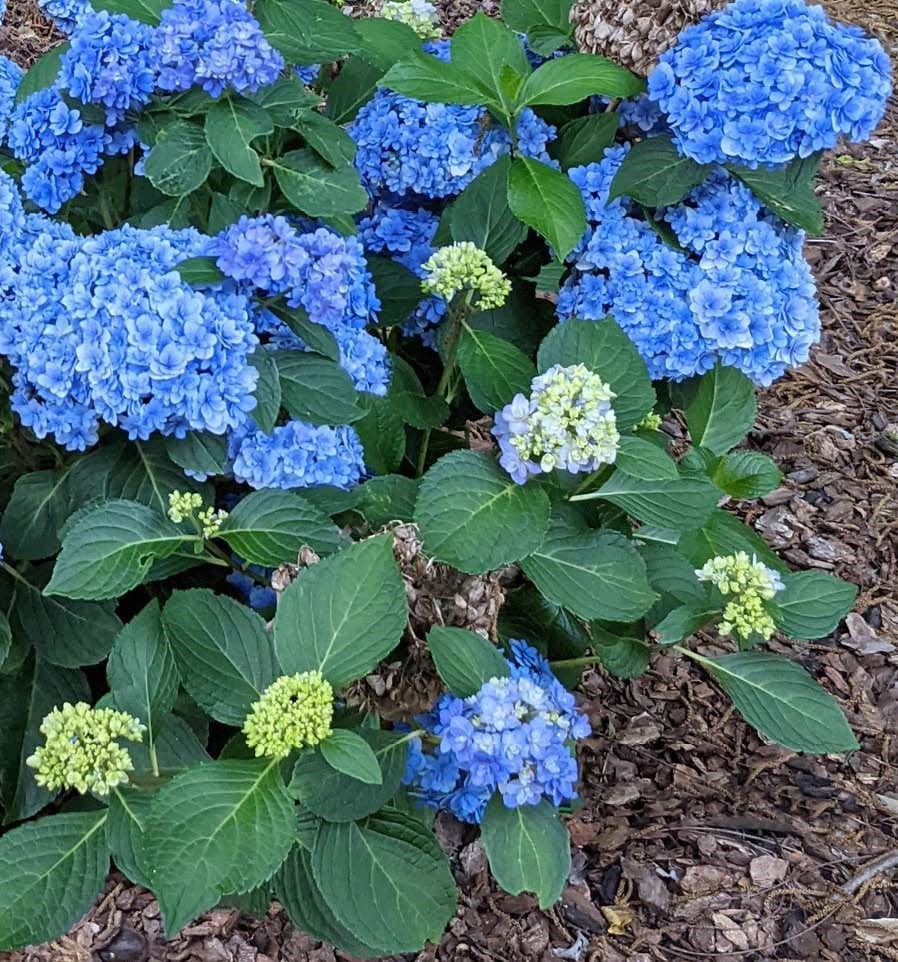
[878, 866]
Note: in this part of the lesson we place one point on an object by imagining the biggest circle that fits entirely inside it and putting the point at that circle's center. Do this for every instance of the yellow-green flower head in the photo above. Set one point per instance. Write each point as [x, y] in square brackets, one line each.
[651, 422]
[465, 267]
[566, 423]
[748, 584]
[182, 504]
[210, 521]
[80, 750]
[420, 15]
[294, 712]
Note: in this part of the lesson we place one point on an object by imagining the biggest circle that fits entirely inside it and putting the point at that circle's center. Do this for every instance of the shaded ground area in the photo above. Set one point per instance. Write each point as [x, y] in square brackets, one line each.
[696, 840]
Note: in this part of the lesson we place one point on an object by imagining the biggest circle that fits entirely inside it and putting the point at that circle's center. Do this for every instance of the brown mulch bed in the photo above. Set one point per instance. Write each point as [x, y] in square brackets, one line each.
[695, 840]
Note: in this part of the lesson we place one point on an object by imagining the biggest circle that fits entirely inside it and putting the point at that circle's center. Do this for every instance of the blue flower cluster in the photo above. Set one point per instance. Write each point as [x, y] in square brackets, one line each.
[515, 736]
[10, 78]
[740, 290]
[764, 81]
[109, 63]
[297, 455]
[213, 44]
[434, 150]
[102, 329]
[406, 235]
[319, 271]
[65, 14]
[259, 597]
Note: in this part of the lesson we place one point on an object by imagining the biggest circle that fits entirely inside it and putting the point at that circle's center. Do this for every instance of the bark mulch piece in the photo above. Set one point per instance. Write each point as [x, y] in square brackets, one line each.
[25, 33]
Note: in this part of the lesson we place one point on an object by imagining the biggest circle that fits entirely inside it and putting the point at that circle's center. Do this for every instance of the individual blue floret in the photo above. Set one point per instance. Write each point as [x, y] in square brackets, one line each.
[65, 14]
[10, 77]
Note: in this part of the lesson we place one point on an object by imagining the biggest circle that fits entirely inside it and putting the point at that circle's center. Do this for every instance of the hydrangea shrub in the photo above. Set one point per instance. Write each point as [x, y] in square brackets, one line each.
[273, 280]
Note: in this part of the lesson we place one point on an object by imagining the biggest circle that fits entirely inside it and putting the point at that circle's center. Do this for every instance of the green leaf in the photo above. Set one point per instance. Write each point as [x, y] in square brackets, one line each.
[620, 655]
[199, 451]
[315, 337]
[268, 390]
[403, 893]
[474, 517]
[398, 290]
[223, 827]
[673, 576]
[725, 534]
[426, 78]
[58, 864]
[225, 655]
[42, 73]
[529, 614]
[342, 616]
[315, 188]
[109, 548]
[603, 348]
[683, 621]
[178, 747]
[296, 889]
[584, 140]
[481, 214]
[223, 212]
[525, 15]
[382, 433]
[720, 408]
[180, 161]
[39, 506]
[269, 527]
[125, 827]
[313, 31]
[316, 389]
[747, 474]
[385, 42]
[482, 46]
[812, 604]
[286, 100]
[573, 78]
[64, 632]
[782, 701]
[528, 849]
[655, 174]
[146, 11]
[390, 497]
[232, 124]
[200, 271]
[548, 201]
[494, 370]
[327, 139]
[141, 671]
[465, 660]
[354, 87]
[336, 797]
[349, 753]
[5, 639]
[788, 191]
[682, 505]
[595, 574]
[642, 459]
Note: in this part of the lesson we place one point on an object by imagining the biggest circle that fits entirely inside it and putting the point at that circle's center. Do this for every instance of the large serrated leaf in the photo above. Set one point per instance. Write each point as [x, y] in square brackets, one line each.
[655, 174]
[548, 201]
[180, 160]
[570, 79]
[424, 77]
[232, 124]
[349, 754]
[51, 872]
[482, 46]
[683, 504]
[223, 827]
[316, 389]
[309, 32]
[494, 370]
[315, 188]
[720, 408]
[812, 604]
[125, 827]
[465, 660]
[32, 518]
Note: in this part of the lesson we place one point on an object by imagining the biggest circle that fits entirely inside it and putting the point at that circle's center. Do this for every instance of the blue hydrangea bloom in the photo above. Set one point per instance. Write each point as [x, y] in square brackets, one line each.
[764, 81]
[65, 14]
[308, 75]
[514, 737]
[216, 45]
[250, 592]
[58, 146]
[434, 150]
[109, 63]
[102, 329]
[297, 455]
[740, 291]
[10, 78]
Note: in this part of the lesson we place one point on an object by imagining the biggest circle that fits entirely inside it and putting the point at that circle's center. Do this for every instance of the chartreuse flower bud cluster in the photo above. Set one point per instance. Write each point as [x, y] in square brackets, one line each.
[184, 505]
[749, 584]
[566, 423]
[465, 267]
[294, 712]
[420, 15]
[81, 751]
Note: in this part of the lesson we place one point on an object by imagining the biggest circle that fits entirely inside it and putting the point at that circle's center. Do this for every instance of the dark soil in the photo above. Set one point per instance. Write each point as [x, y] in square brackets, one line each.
[695, 839]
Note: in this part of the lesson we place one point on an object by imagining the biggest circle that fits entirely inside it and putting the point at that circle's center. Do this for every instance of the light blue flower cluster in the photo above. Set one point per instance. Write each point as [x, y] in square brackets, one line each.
[10, 77]
[764, 81]
[319, 271]
[102, 329]
[516, 736]
[109, 63]
[65, 14]
[434, 150]
[405, 235]
[297, 455]
[740, 290]
[216, 45]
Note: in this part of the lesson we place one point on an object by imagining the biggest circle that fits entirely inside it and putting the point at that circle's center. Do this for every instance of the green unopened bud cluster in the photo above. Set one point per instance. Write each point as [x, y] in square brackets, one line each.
[81, 750]
[295, 711]
[184, 505]
[465, 267]
[651, 422]
[748, 584]
[420, 15]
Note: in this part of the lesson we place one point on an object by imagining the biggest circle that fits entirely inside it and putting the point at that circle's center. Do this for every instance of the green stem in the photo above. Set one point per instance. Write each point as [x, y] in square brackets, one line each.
[577, 662]
[693, 655]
